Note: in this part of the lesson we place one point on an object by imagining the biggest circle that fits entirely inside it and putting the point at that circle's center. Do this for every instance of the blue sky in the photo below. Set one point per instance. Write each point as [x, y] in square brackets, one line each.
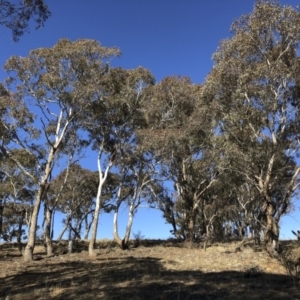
[169, 37]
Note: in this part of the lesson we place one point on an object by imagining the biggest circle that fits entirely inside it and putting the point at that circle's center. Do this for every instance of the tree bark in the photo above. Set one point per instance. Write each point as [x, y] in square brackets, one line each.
[28, 252]
[129, 225]
[272, 231]
[48, 240]
[102, 179]
[117, 238]
[95, 224]
[70, 241]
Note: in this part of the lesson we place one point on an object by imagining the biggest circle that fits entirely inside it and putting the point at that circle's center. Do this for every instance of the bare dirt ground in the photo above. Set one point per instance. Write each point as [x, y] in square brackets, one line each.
[154, 270]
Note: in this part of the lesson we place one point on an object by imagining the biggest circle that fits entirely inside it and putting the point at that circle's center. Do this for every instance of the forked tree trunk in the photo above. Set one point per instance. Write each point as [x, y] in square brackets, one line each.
[124, 243]
[102, 179]
[271, 238]
[28, 252]
[272, 230]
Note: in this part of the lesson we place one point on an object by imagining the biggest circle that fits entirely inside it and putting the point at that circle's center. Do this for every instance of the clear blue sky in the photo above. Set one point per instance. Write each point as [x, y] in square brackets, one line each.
[169, 37]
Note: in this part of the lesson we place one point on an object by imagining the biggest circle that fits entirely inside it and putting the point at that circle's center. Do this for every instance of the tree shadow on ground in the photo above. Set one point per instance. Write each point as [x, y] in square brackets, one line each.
[139, 278]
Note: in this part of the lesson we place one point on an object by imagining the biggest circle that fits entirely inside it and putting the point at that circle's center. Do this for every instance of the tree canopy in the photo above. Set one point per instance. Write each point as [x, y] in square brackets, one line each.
[219, 159]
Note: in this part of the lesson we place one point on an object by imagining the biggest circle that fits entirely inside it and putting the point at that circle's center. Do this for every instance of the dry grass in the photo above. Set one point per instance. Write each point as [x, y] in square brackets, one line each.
[155, 270]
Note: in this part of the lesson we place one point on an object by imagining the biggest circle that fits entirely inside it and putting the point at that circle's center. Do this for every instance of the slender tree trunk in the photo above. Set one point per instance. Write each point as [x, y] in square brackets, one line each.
[60, 132]
[207, 237]
[28, 220]
[70, 241]
[65, 228]
[48, 240]
[95, 224]
[87, 227]
[173, 223]
[78, 229]
[19, 239]
[52, 223]
[117, 238]
[129, 225]
[102, 179]
[124, 243]
[1, 215]
[28, 252]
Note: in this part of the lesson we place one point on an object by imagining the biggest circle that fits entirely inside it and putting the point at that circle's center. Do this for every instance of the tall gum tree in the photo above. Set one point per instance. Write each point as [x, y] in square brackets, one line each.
[137, 170]
[179, 128]
[71, 150]
[58, 84]
[255, 83]
[16, 192]
[15, 118]
[76, 196]
[111, 122]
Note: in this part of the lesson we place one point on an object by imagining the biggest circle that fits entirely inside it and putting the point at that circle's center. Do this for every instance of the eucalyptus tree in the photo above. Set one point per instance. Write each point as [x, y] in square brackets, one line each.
[12, 116]
[180, 130]
[137, 185]
[255, 84]
[51, 200]
[77, 197]
[111, 121]
[58, 85]
[16, 195]
[72, 150]
[17, 15]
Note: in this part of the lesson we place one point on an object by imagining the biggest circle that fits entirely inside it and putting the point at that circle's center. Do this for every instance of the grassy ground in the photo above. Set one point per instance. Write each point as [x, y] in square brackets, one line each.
[154, 270]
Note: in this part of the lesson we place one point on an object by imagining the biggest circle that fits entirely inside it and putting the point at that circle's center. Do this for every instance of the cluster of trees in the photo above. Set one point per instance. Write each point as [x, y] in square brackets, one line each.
[229, 146]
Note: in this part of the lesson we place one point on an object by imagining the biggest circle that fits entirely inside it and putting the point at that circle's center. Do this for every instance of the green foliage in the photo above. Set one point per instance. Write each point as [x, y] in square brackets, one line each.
[16, 15]
[229, 146]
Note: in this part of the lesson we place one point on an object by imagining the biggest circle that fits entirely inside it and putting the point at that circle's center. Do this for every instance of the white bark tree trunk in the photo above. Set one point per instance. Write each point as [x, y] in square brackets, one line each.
[102, 179]
[28, 252]
[60, 132]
